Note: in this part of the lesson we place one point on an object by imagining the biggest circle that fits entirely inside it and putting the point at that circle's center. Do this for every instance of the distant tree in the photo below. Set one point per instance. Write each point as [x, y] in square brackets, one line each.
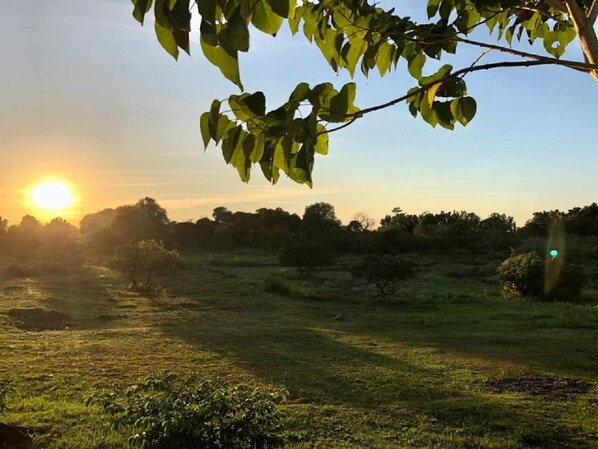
[399, 221]
[306, 256]
[24, 238]
[498, 231]
[366, 222]
[320, 222]
[60, 239]
[144, 263]
[386, 273]
[110, 228]
[3, 226]
[275, 227]
[540, 223]
[583, 220]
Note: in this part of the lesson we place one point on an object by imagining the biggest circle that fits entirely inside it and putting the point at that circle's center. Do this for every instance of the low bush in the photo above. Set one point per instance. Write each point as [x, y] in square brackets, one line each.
[305, 255]
[196, 413]
[529, 276]
[144, 263]
[386, 273]
[277, 287]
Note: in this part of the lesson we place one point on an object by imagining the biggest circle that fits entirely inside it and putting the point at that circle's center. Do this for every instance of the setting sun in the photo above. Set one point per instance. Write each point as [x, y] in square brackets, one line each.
[52, 196]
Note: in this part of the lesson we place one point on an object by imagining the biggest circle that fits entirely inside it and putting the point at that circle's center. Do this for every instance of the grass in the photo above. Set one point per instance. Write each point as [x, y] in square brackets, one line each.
[410, 374]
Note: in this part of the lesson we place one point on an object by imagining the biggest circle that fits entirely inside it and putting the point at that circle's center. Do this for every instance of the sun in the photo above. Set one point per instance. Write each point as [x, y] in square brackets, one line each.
[52, 196]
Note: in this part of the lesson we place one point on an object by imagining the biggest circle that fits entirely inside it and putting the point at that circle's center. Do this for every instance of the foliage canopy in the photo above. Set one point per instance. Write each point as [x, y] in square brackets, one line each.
[352, 35]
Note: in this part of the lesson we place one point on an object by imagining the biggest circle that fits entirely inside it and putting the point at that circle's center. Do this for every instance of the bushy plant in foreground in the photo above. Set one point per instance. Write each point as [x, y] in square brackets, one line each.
[196, 413]
[386, 273]
[305, 255]
[144, 263]
[529, 276]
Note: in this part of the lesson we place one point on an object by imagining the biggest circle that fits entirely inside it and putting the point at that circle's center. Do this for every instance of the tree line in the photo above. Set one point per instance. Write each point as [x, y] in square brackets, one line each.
[271, 229]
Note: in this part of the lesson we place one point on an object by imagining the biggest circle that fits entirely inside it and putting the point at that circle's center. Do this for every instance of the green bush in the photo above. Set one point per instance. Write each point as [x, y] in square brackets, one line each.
[196, 413]
[528, 275]
[144, 263]
[386, 273]
[305, 255]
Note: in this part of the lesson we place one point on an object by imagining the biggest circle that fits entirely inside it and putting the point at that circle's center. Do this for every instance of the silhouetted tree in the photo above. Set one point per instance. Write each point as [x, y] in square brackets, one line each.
[320, 222]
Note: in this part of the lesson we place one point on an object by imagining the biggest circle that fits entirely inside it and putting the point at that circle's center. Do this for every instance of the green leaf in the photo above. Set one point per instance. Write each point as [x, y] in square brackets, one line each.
[321, 146]
[264, 19]
[463, 109]
[283, 8]
[235, 32]
[342, 103]
[204, 126]
[300, 93]
[256, 103]
[226, 62]
[416, 65]
[141, 8]
[384, 58]
[432, 8]
[224, 124]
[166, 39]
[295, 19]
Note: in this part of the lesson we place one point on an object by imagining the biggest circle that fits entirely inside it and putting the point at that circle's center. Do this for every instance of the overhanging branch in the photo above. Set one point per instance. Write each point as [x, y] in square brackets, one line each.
[458, 73]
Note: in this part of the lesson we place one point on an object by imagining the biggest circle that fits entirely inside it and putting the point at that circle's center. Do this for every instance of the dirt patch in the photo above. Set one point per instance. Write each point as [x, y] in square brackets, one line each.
[552, 387]
[12, 436]
[38, 319]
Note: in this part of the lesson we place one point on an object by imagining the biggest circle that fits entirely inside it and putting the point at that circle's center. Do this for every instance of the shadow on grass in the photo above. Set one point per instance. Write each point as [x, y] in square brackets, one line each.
[297, 345]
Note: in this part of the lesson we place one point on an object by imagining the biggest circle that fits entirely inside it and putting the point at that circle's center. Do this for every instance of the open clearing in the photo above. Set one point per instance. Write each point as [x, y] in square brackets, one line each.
[447, 364]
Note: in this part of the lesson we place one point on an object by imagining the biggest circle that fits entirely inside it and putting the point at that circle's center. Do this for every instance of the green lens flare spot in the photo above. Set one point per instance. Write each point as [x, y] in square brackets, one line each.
[554, 253]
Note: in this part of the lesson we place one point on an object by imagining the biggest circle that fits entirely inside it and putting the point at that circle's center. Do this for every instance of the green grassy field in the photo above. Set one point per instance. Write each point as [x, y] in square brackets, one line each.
[414, 373]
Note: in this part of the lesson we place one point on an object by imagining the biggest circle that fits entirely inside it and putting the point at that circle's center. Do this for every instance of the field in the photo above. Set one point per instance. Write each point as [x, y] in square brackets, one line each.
[447, 364]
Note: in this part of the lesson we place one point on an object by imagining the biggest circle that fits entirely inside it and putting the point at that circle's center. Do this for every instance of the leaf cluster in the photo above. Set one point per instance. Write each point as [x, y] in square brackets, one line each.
[350, 34]
[193, 412]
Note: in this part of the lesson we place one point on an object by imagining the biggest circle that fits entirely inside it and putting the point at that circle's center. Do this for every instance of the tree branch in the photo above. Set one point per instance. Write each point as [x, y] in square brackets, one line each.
[582, 66]
[458, 73]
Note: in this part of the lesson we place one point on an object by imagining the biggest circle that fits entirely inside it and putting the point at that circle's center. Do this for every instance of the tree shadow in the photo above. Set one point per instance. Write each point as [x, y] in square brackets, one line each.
[322, 362]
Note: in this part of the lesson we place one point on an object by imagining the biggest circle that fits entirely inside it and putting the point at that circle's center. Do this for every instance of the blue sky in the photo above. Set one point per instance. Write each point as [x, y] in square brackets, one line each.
[89, 96]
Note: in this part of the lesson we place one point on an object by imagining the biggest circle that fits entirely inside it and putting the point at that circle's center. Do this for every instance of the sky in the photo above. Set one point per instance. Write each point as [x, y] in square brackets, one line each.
[89, 97]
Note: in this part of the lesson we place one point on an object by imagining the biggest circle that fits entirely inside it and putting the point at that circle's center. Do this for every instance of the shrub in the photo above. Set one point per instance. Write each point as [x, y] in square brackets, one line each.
[277, 287]
[5, 389]
[144, 263]
[528, 275]
[305, 255]
[196, 413]
[386, 273]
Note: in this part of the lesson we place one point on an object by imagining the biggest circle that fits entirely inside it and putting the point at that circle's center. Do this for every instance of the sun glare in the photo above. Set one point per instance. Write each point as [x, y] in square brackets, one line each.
[52, 196]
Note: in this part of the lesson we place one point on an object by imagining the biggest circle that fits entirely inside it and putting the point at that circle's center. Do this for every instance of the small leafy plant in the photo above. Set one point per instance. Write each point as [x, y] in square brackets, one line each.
[144, 263]
[196, 413]
[386, 273]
